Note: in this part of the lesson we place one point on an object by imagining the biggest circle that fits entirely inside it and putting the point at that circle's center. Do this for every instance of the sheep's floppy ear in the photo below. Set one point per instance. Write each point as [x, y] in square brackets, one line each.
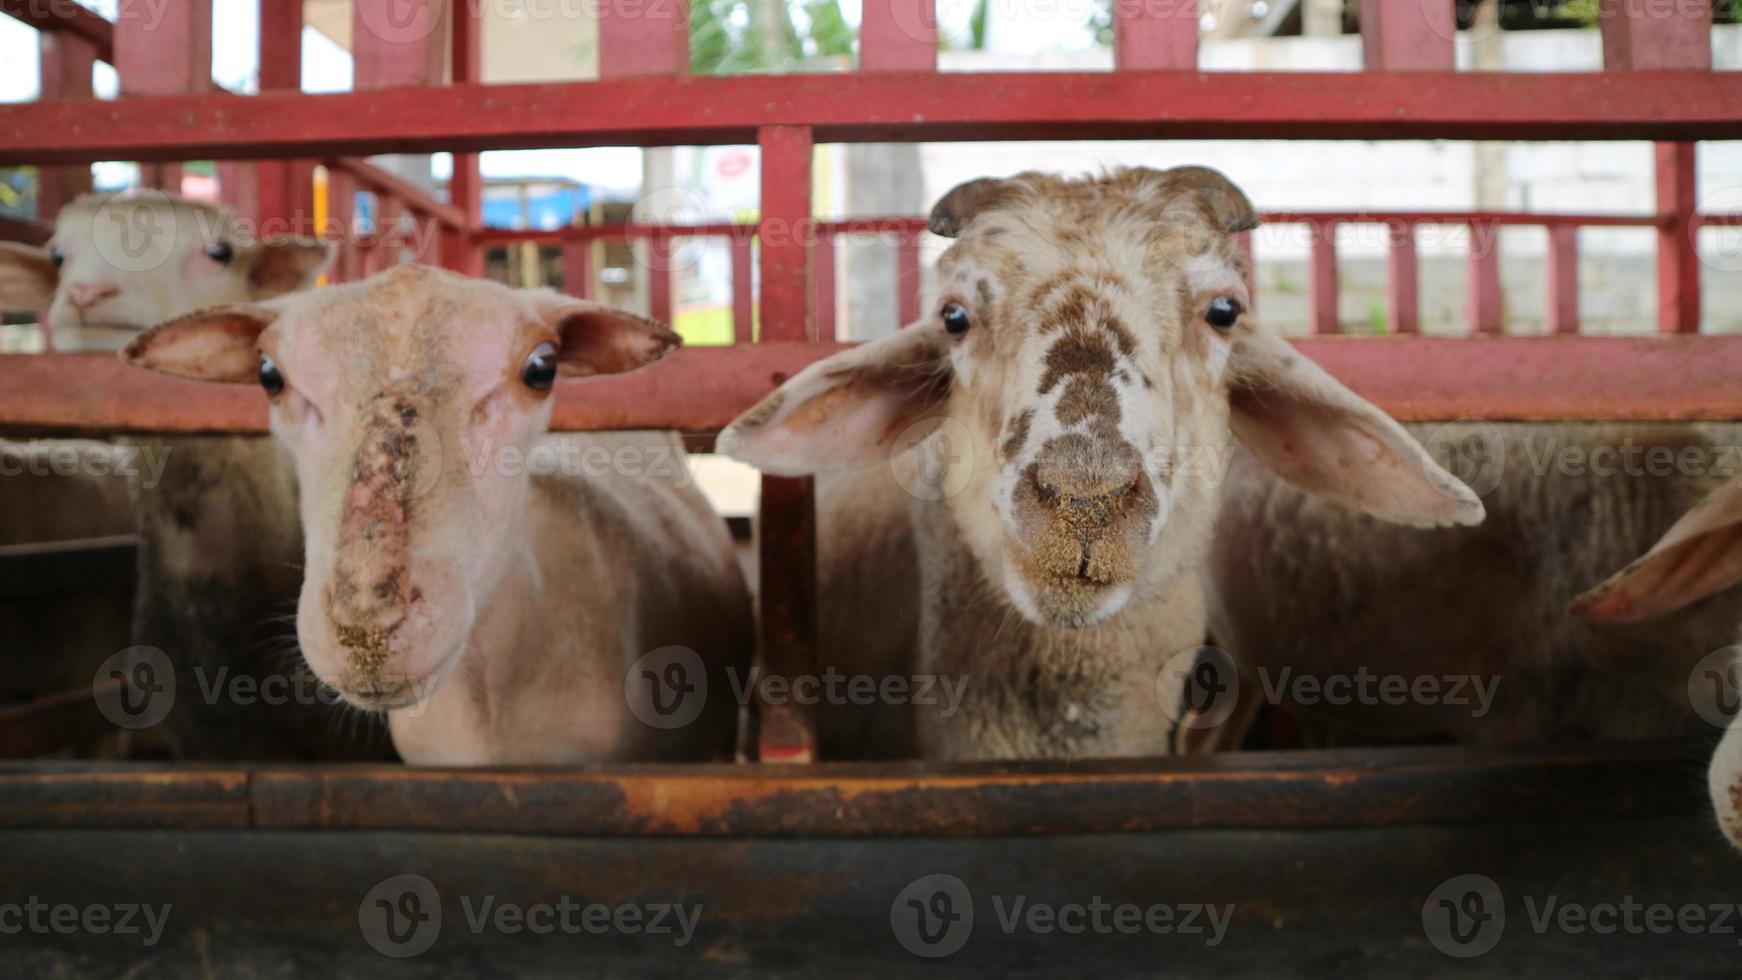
[220, 344]
[28, 277]
[1699, 555]
[1320, 436]
[846, 410]
[955, 209]
[1227, 204]
[288, 265]
[598, 339]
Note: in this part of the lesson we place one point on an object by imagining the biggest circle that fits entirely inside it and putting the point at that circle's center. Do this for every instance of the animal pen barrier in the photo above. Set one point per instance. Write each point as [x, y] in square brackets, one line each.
[417, 90]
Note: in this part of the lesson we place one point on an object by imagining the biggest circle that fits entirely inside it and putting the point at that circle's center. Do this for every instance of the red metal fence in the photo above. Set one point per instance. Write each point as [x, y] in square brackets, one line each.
[416, 90]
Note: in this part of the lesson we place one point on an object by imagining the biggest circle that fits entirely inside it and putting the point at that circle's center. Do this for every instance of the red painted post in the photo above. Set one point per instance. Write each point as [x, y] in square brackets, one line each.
[164, 51]
[1402, 297]
[787, 516]
[648, 38]
[67, 61]
[387, 243]
[1323, 288]
[1678, 257]
[1407, 35]
[578, 267]
[743, 289]
[660, 257]
[342, 213]
[907, 278]
[1155, 34]
[1647, 34]
[823, 274]
[1563, 279]
[286, 189]
[1244, 241]
[460, 252]
[1485, 297]
[898, 35]
[784, 232]
[1642, 35]
[395, 44]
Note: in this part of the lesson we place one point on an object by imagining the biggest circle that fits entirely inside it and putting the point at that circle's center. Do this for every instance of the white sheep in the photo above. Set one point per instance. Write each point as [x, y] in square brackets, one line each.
[496, 614]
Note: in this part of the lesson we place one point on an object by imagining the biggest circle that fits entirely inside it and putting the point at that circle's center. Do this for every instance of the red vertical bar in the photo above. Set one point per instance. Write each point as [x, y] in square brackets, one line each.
[1646, 34]
[660, 249]
[1244, 241]
[578, 267]
[1485, 298]
[1563, 278]
[166, 50]
[647, 38]
[386, 247]
[823, 275]
[67, 61]
[1323, 287]
[1402, 301]
[787, 731]
[907, 279]
[1678, 257]
[1407, 35]
[342, 213]
[898, 35]
[1153, 34]
[784, 232]
[396, 44]
[460, 251]
[743, 289]
[285, 188]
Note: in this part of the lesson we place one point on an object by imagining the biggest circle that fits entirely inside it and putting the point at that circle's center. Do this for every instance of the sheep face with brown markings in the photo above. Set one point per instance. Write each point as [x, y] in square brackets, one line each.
[1089, 362]
[397, 396]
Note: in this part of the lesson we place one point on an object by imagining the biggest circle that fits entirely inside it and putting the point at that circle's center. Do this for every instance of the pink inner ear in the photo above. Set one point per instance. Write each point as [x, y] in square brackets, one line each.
[1663, 581]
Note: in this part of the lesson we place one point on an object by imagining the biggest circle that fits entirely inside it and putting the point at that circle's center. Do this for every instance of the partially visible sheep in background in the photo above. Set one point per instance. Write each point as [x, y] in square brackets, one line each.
[1302, 587]
[216, 515]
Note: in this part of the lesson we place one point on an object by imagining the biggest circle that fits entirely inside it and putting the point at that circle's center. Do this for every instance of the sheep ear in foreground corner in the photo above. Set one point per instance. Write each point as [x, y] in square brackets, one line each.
[1318, 435]
[1698, 556]
[28, 277]
[846, 410]
[219, 344]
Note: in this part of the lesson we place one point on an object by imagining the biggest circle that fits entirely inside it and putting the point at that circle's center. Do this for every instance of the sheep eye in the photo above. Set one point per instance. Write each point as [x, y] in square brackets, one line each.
[271, 378]
[57, 256]
[221, 253]
[539, 371]
[1222, 313]
[955, 317]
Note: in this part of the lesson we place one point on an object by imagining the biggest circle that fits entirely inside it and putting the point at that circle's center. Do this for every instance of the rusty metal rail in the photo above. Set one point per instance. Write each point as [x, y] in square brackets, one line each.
[1336, 788]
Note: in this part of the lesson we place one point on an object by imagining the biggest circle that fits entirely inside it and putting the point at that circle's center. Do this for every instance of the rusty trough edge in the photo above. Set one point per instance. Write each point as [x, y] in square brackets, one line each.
[1335, 788]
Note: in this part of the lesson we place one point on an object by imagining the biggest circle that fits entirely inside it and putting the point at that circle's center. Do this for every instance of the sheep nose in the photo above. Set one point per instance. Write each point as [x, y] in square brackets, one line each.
[1086, 501]
[84, 294]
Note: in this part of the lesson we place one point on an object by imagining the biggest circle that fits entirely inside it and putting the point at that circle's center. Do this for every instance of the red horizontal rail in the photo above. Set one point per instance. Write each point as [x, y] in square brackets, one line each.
[414, 198]
[65, 15]
[887, 106]
[701, 389]
[1460, 218]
